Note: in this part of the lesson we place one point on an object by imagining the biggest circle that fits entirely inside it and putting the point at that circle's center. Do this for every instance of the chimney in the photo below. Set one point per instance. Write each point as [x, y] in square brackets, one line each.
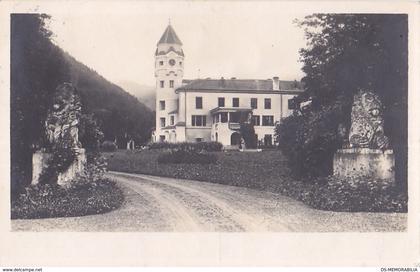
[276, 84]
[222, 82]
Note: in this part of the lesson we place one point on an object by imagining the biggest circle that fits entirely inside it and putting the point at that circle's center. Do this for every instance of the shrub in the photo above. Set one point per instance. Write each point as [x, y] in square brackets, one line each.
[94, 170]
[198, 147]
[108, 146]
[309, 141]
[186, 156]
[248, 134]
[356, 194]
[62, 157]
[90, 135]
[52, 200]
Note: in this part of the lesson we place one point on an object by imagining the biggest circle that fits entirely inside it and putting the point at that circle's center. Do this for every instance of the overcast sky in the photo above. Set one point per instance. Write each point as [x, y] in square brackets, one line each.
[229, 39]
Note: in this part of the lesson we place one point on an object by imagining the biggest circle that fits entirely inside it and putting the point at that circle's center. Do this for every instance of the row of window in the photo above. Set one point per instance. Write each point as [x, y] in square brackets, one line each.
[200, 120]
[162, 83]
[171, 62]
[221, 102]
[267, 120]
[235, 102]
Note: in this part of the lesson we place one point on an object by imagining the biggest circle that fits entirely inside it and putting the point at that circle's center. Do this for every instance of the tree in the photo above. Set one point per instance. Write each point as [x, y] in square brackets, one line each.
[346, 52]
[37, 67]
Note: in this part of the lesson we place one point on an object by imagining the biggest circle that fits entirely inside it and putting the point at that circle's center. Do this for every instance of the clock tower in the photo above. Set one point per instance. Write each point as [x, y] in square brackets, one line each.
[169, 71]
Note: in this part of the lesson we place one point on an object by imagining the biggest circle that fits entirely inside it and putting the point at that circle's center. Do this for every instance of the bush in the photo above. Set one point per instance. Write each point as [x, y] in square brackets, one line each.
[186, 156]
[356, 194]
[90, 135]
[198, 147]
[52, 200]
[248, 134]
[309, 141]
[108, 146]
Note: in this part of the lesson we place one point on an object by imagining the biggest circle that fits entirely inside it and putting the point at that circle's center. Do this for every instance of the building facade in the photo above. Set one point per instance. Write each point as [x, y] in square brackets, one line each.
[212, 109]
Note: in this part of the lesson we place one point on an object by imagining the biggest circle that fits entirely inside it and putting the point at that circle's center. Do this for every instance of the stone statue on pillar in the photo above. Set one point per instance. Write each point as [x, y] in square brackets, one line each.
[367, 151]
[62, 132]
[63, 119]
[367, 122]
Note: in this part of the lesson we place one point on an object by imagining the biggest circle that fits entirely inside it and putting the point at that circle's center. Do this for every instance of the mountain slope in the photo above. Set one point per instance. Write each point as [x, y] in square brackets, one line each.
[146, 94]
[121, 115]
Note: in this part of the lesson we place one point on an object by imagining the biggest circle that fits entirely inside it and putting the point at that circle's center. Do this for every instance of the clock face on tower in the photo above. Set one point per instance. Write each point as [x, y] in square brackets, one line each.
[172, 62]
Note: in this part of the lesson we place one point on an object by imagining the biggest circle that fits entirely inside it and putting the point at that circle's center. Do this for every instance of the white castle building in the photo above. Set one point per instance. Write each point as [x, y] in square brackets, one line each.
[212, 109]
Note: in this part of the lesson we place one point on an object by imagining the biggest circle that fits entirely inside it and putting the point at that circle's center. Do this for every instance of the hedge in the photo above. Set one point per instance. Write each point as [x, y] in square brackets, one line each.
[200, 146]
[186, 156]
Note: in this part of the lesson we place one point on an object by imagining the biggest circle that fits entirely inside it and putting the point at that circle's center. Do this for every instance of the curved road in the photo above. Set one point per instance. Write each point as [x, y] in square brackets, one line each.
[167, 204]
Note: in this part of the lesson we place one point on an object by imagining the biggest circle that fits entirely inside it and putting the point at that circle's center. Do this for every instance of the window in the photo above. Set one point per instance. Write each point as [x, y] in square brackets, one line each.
[198, 102]
[162, 138]
[199, 140]
[256, 120]
[268, 140]
[198, 120]
[172, 120]
[267, 103]
[223, 117]
[162, 105]
[268, 120]
[180, 63]
[254, 103]
[221, 102]
[171, 83]
[162, 122]
[235, 102]
[162, 84]
[161, 62]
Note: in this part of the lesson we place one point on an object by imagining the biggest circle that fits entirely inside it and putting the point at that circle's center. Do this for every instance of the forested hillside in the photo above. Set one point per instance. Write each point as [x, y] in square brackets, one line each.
[38, 66]
[120, 114]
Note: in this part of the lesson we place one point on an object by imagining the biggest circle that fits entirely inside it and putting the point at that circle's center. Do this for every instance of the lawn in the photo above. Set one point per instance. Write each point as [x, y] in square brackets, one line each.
[263, 170]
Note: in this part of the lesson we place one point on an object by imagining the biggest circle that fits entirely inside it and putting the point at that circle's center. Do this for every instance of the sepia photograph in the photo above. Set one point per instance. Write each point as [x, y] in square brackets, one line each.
[305, 136]
[208, 118]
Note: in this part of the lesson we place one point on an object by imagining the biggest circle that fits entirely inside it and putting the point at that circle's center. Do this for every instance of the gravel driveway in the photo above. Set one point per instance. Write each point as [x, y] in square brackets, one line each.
[167, 204]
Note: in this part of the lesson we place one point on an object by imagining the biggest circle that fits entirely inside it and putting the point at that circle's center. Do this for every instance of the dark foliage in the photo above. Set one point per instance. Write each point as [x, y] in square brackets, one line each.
[356, 194]
[37, 67]
[198, 147]
[186, 156]
[90, 134]
[248, 134]
[52, 200]
[309, 141]
[61, 158]
[108, 146]
[350, 51]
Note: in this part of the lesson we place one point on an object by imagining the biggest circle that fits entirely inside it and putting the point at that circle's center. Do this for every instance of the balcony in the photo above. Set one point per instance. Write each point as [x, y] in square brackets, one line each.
[234, 126]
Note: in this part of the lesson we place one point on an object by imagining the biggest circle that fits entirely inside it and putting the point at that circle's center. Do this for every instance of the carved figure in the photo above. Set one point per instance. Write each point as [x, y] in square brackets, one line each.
[367, 123]
[63, 119]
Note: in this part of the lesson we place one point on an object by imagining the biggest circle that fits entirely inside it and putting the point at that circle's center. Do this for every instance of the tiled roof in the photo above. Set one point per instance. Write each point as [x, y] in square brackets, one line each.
[169, 36]
[239, 85]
